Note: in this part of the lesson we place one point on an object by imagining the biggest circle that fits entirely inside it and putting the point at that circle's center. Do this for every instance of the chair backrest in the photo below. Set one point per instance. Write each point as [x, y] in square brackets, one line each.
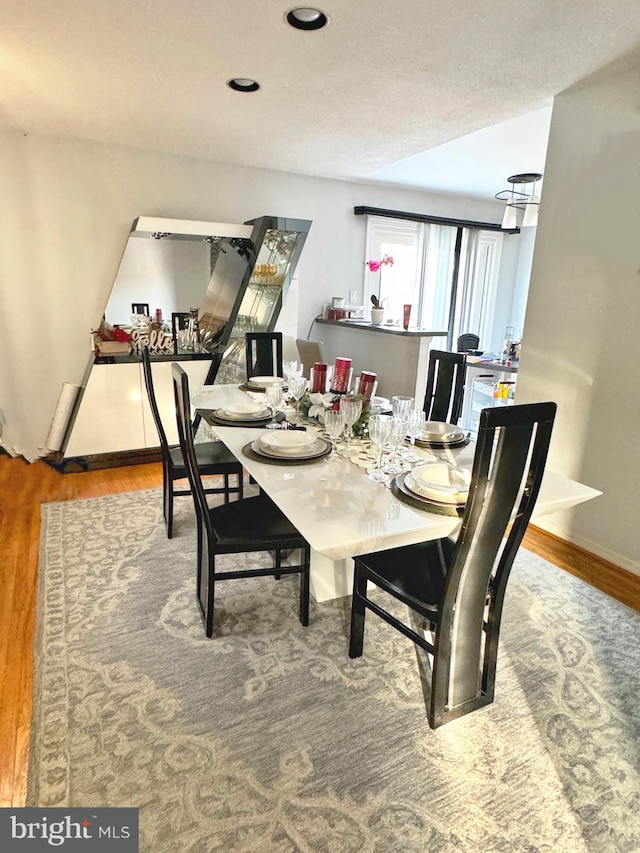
[187, 445]
[508, 466]
[310, 352]
[140, 308]
[468, 342]
[148, 381]
[445, 386]
[264, 354]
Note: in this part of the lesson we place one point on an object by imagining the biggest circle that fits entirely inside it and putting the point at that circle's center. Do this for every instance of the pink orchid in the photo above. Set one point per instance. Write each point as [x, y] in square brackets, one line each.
[374, 266]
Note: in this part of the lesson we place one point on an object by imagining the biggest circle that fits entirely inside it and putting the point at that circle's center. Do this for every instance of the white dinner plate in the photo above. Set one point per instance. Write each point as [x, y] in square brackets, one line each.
[440, 481]
[319, 447]
[264, 381]
[439, 431]
[289, 442]
[226, 415]
[246, 409]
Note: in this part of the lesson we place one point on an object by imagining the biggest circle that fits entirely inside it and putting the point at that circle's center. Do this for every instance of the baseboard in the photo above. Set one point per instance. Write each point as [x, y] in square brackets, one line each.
[598, 571]
[77, 464]
[617, 560]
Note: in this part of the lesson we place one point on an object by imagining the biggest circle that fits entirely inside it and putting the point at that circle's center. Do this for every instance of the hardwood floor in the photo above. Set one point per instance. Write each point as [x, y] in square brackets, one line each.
[24, 487]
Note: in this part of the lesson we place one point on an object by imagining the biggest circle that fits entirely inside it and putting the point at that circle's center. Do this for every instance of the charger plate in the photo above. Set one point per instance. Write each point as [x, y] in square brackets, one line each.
[404, 493]
[261, 413]
[252, 450]
[261, 383]
[442, 445]
[215, 420]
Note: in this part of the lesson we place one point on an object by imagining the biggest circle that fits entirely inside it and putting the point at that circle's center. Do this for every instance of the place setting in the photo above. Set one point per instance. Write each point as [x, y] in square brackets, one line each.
[260, 384]
[438, 435]
[289, 447]
[437, 486]
[246, 414]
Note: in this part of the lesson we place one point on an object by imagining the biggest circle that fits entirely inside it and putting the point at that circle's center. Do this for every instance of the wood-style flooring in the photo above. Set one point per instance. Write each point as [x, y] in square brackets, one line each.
[24, 487]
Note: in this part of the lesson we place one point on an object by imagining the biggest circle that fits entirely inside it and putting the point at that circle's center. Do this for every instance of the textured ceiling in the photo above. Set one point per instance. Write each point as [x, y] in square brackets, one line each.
[384, 81]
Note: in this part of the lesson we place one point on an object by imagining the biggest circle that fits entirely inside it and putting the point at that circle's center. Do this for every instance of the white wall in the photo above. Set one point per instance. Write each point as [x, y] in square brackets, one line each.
[581, 325]
[68, 206]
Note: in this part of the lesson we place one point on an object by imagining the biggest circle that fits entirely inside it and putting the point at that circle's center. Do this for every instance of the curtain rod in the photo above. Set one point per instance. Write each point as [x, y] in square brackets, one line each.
[435, 220]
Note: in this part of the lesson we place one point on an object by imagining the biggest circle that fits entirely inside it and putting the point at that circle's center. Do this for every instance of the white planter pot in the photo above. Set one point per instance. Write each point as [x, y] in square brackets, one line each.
[377, 316]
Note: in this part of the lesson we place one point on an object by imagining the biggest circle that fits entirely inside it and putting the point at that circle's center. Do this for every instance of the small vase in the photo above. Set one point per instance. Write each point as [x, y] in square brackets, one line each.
[377, 316]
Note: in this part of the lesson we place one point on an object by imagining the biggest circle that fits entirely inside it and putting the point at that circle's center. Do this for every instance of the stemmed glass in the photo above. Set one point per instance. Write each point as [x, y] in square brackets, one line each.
[292, 369]
[415, 425]
[297, 387]
[401, 406]
[273, 398]
[334, 424]
[352, 409]
[379, 431]
[396, 439]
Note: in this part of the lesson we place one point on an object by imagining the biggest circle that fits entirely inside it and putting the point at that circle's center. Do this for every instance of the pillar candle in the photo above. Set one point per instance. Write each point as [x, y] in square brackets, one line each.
[319, 378]
[367, 382]
[341, 371]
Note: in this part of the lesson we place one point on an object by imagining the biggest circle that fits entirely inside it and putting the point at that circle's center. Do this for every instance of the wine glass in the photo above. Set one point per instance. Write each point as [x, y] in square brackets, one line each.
[334, 424]
[297, 387]
[379, 431]
[396, 438]
[352, 408]
[273, 398]
[415, 425]
[292, 369]
[401, 406]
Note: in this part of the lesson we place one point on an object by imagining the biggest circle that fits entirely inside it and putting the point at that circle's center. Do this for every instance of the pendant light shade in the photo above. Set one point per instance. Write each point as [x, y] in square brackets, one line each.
[520, 199]
[509, 220]
[531, 212]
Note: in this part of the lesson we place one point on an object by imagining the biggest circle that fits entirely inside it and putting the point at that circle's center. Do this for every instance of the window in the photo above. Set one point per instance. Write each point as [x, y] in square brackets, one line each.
[448, 273]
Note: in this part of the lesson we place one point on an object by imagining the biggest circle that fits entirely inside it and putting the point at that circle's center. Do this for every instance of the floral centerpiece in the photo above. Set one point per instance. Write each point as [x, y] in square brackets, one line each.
[314, 405]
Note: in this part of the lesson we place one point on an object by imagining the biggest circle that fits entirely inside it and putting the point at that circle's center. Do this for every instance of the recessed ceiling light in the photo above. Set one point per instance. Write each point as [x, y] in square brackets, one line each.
[243, 84]
[306, 18]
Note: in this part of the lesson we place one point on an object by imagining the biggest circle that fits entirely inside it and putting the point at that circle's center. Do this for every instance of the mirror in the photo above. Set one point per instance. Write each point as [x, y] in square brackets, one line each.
[171, 275]
[166, 265]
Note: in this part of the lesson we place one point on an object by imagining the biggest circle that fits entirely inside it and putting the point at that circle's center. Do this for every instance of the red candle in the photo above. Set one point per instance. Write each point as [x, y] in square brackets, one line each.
[319, 378]
[366, 385]
[341, 372]
[406, 316]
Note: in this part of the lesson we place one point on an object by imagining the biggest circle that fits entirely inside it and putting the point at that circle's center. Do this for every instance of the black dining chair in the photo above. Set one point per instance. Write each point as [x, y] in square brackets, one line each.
[468, 342]
[264, 354]
[213, 459]
[457, 586]
[445, 386]
[246, 526]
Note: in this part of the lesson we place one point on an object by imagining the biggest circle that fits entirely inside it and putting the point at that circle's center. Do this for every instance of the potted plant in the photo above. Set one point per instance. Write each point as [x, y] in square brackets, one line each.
[377, 312]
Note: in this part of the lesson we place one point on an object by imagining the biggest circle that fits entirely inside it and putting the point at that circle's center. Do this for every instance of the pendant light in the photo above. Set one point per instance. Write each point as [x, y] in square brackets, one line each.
[520, 199]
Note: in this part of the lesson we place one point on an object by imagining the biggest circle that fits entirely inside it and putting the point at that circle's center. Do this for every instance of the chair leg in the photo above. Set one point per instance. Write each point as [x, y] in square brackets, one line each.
[358, 611]
[277, 559]
[304, 587]
[226, 488]
[206, 579]
[168, 504]
[240, 485]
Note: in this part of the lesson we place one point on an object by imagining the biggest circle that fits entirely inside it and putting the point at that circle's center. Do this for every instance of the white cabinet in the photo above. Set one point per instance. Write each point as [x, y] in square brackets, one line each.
[114, 413]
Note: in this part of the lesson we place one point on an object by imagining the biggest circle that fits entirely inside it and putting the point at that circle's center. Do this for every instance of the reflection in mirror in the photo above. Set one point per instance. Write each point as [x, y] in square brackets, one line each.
[170, 275]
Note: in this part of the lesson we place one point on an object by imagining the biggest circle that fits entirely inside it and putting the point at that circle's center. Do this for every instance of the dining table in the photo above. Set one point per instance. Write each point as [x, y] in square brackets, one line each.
[339, 511]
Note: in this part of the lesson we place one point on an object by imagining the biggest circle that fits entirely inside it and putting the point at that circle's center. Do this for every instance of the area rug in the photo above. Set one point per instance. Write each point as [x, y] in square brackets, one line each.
[269, 738]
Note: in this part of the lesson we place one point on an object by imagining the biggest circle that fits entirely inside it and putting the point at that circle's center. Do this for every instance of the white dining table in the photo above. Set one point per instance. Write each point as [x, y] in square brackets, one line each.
[340, 512]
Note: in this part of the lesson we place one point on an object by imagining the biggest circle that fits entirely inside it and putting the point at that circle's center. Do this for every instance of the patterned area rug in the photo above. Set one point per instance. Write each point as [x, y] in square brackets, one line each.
[268, 738]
